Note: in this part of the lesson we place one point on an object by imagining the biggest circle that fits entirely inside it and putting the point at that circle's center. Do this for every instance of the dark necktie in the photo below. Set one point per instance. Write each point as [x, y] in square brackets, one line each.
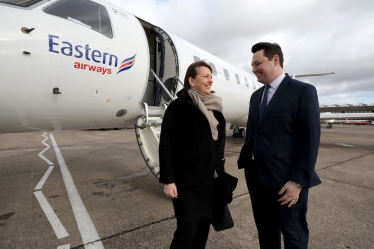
[264, 102]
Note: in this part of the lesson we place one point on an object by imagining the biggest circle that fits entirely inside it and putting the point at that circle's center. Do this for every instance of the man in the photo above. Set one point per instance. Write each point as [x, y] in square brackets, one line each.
[280, 151]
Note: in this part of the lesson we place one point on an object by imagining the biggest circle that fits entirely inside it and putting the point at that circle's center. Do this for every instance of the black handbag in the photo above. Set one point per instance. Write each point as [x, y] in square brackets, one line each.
[221, 196]
[223, 221]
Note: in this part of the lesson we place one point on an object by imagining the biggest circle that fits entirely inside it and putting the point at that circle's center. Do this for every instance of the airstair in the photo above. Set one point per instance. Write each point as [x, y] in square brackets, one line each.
[148, 129]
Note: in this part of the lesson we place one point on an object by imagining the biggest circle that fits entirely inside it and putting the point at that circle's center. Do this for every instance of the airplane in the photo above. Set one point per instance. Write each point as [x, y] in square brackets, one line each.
[80, 64]
[356, 122]
[329, 118]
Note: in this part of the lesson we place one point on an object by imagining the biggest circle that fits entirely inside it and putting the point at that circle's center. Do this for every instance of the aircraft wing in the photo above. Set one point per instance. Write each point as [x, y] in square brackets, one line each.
[294, 76]
[329, 115]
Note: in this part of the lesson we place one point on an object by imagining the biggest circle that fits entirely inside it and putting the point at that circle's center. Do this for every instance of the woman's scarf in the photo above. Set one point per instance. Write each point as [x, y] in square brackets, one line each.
[207, 104]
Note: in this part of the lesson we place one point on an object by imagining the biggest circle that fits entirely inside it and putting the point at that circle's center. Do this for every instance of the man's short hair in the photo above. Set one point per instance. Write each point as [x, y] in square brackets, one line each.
[270, 49]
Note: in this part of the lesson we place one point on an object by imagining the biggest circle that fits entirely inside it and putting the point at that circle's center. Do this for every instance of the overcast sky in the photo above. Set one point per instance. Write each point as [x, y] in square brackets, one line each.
[316, 36]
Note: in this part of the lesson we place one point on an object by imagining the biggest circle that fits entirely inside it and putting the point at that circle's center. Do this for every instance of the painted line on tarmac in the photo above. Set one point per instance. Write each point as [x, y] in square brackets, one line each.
[346, 145]
[56, 224]
[47, 147]
[44, 178]
[90, 237]
[41, 153]
[67, 246]
[45, 159]
[43, 142]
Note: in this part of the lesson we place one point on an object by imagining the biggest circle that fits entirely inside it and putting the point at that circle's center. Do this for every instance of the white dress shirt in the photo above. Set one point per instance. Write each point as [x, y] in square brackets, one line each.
[273, 87]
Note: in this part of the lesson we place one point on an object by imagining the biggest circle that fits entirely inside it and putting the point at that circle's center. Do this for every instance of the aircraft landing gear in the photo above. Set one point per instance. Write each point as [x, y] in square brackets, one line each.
[237, 132]
[329, 125]
[241, 132]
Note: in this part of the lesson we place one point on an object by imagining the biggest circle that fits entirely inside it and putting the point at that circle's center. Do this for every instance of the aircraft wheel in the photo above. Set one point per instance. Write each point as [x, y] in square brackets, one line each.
[235, 132]
[241, 132]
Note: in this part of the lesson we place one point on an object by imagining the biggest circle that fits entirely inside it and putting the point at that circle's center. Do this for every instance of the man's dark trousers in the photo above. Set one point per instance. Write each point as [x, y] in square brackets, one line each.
[271, 218]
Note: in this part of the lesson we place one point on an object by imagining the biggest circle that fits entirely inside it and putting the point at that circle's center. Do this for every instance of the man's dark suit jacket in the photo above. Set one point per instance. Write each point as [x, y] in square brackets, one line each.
[285, 140]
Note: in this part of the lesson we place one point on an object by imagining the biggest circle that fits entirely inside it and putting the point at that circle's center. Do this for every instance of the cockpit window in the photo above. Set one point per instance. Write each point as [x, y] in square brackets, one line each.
[21, 3]
[86, 13]
[195, 58]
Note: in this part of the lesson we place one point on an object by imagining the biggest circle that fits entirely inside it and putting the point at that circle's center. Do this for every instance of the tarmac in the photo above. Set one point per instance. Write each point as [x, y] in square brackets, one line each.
[92, 189]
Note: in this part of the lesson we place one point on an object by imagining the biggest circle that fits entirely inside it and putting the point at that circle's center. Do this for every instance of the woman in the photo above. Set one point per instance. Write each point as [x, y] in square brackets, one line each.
[191, 146]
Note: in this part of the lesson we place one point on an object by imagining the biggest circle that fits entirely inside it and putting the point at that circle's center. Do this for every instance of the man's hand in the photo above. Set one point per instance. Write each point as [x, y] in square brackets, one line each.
[291, 194]
[171, 190]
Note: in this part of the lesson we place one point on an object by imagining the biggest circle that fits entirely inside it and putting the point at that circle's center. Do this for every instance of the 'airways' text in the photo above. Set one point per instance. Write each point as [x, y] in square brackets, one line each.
[84, 66]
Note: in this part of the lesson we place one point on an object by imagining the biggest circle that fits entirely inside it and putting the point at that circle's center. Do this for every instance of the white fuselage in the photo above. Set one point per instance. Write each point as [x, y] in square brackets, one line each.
[83, 65]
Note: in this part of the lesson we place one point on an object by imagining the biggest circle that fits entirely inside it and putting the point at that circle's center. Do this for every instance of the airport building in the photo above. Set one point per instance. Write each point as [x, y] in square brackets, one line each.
[348, 108]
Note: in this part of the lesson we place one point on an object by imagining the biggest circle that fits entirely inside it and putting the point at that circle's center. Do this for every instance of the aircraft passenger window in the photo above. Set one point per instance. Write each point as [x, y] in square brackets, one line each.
[227, 75]
[246, 82]
[237, 79]
[195, 58]
[254, 85]
[214, 70]
[84, 12]
[21, 3]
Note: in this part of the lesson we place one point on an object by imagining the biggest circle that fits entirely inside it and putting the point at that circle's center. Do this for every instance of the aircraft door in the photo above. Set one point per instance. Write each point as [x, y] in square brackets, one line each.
[164, 62]
[168, 67]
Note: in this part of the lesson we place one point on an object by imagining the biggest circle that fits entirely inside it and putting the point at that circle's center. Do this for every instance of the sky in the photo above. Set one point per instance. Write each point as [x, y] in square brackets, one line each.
[316, 36]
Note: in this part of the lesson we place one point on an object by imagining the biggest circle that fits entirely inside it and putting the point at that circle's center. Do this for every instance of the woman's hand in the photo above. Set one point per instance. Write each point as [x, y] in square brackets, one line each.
[171, 190]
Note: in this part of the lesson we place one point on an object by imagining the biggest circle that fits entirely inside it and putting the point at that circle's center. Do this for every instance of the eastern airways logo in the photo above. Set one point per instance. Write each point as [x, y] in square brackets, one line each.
[127, 64]
[89, 54]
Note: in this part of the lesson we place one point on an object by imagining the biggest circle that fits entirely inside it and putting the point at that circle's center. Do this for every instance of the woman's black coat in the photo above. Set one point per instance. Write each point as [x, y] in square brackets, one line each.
[188, 156]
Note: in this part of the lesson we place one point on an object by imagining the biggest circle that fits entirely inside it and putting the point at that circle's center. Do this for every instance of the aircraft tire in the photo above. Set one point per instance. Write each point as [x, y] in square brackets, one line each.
[242, 132]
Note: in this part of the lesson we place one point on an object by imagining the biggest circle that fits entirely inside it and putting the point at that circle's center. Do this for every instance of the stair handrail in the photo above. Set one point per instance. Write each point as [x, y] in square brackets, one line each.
[179, 80]
[163, 86]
